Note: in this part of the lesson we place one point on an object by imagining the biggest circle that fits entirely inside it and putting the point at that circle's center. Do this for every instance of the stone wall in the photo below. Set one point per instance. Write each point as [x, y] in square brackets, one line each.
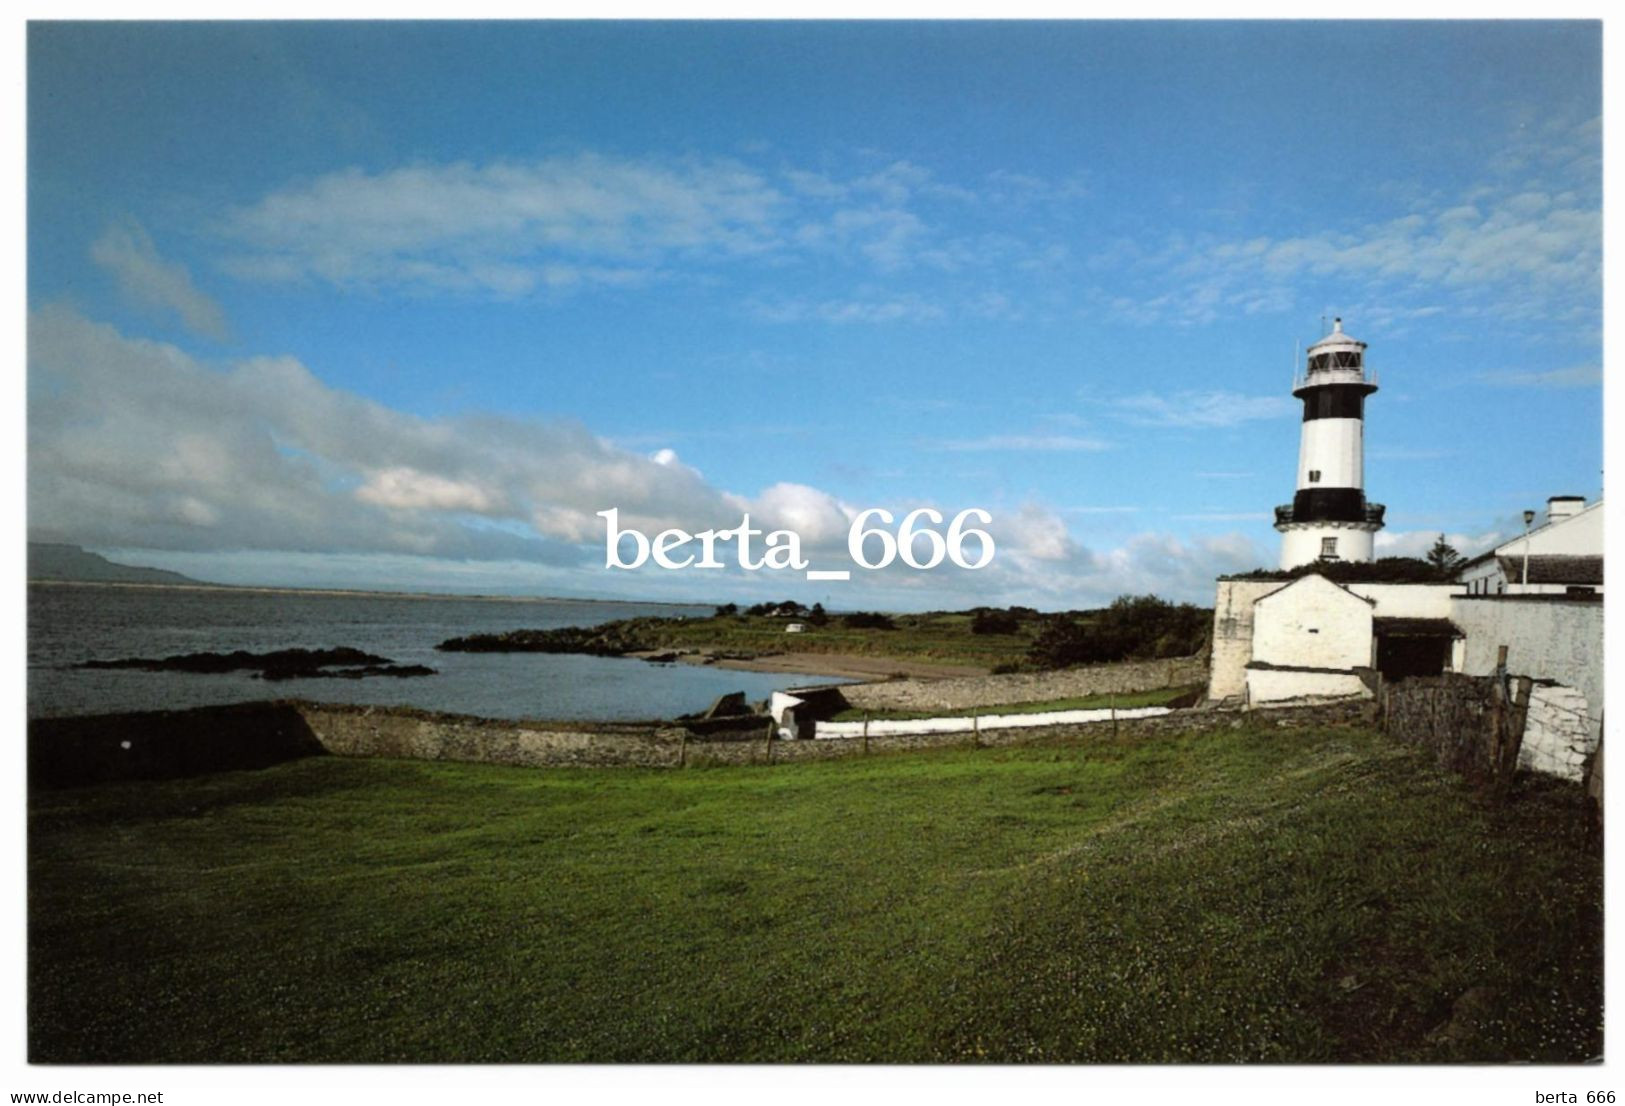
[1559, 738]
[1547, 638]
[165, 744]
[1454, 716]
[424, 735]
[1451, 716]
[1233, 635]
[962, 693]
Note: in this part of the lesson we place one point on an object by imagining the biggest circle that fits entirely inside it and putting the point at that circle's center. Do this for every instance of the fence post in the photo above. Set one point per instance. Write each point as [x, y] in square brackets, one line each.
[865, 733]
[1517, 719]
[771, 726]
[1498, 715]
[682, 749]
[1111, 702]
[975, 731]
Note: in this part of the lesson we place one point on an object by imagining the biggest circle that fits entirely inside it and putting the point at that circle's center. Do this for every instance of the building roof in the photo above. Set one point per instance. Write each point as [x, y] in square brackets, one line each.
[1304, 579]
[1415, 627]
[1553, 568]
[1337, 339]
[1512, 545]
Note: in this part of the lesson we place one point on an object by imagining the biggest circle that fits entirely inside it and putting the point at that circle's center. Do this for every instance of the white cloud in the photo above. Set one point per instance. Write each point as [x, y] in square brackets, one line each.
[127, 251]
[1201, 409]
[514, 229]
[1576, 376]
[506, 228]
[408, 489]
[1523, 243]
[1025, 443]
[134, 444]
[1416, 543]
[882, 309]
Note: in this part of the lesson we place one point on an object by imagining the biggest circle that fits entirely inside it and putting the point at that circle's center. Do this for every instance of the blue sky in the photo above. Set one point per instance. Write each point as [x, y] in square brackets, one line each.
[404, 305]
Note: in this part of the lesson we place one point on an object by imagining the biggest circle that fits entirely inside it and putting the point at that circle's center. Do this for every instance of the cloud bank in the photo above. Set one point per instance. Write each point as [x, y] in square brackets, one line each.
[135, 444]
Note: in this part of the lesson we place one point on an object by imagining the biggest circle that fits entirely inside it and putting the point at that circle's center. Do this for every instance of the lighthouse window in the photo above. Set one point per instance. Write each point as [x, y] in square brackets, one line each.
[1345, 359]
[1328, 548]
[1337, 359]
[1314, 476]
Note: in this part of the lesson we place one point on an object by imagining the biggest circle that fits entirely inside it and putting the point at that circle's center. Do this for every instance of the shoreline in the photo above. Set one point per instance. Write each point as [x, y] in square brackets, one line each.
[265, 589]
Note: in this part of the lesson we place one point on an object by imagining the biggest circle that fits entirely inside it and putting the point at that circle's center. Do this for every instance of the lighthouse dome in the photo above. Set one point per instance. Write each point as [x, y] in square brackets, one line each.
[1337, 339]
[1337, 353]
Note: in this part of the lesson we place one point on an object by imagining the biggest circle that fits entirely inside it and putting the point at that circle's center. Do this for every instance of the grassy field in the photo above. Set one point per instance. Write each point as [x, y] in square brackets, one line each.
[937, 636]
[1253, 894]
[1122, 700]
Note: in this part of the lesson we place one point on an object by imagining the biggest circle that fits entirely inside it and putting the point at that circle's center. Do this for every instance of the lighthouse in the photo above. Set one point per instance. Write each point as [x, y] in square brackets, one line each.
[1329, 518]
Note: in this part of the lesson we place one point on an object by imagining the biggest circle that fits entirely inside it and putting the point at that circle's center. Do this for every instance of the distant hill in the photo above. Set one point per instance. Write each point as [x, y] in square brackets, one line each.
[59, 561]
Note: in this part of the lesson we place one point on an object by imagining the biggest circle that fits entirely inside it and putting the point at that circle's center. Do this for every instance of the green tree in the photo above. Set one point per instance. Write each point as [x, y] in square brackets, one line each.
[1444, 559]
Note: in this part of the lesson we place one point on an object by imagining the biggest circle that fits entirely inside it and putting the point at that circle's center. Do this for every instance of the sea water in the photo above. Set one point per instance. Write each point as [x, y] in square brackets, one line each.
[72, 623]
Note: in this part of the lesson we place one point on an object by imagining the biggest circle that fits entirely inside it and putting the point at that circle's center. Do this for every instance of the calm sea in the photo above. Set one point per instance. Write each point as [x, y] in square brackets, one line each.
[69, 623]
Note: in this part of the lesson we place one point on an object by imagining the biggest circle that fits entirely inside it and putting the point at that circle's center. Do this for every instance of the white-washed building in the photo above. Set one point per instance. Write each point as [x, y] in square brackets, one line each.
[1563, 556]
[1311, 638]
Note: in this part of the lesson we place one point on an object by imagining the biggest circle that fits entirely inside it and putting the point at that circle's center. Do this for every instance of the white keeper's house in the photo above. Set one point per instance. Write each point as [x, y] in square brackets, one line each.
[1563, 556]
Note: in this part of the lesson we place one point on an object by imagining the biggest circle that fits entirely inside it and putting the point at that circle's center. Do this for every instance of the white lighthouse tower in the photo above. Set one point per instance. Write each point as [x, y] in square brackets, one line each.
[1329, 518]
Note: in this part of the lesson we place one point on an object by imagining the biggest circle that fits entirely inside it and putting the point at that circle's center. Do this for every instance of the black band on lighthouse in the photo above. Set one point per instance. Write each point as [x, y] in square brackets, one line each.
[1329, 505]
[1334, 401]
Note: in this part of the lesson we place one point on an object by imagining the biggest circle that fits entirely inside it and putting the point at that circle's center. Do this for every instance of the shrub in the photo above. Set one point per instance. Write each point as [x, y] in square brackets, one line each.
[994, 622]
[1140, 627]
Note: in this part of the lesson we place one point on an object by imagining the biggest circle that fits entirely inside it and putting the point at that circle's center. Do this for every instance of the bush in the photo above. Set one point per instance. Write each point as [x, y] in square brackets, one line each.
[1384, 570]
[1140, 627]
[867, 620]
[994, 622]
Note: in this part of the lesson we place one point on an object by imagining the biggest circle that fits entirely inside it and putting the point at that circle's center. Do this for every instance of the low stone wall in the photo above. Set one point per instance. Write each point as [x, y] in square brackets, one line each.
[424, 735]
[1454, 715]
[167, 744]
[1560, 736]
[965, 692]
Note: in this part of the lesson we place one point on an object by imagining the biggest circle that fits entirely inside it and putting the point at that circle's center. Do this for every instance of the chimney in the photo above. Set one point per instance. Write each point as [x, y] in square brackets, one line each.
[1563, 506]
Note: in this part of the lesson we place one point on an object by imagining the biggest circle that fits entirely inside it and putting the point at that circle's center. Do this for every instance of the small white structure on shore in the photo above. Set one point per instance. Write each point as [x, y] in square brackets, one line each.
[1329, 518]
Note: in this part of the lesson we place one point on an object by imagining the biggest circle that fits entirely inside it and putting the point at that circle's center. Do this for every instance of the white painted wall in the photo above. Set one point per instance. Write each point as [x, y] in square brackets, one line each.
[1300, 545]
[1334, 447]
[1312, 623]
[1269, 685]
[1409, 600]
[899, 726]
[1579, 535]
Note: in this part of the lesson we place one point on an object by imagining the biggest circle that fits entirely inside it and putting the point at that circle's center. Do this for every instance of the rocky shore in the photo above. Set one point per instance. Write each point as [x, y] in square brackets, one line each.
[281, 664]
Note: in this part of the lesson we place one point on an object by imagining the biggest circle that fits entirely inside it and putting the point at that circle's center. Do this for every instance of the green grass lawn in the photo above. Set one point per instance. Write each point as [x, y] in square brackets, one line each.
[1254, 894]
[1122, 701]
